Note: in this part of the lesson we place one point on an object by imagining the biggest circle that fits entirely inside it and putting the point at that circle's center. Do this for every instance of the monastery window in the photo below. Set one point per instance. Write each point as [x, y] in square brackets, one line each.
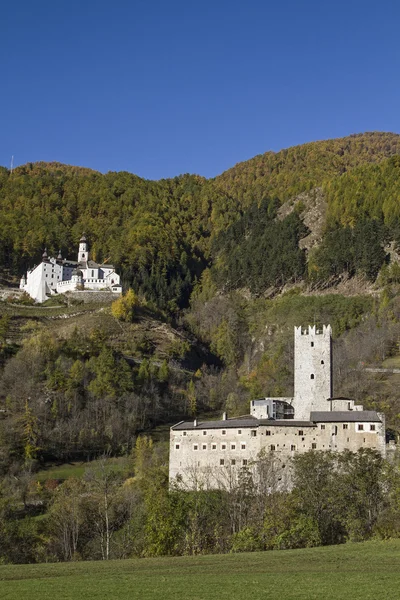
[243, 446]
[244, 462]
[92, 273]
[372, 427]
[253, 433]
[184, 433]
[360, 427]
[204, 446]
[345, 426]
[223, 432]
[239, 432]
[312, 344]
[267, 432]
[233, 446]
[300, 432]
[272, 447]
[314, 446]
[312, 376]
[221, 462]
[204, 432]
[293, 447]
[322, 362]
[195, 446]
[322, 426]
[177, 446]
[223, 447]
[233, 461]
[214, 447]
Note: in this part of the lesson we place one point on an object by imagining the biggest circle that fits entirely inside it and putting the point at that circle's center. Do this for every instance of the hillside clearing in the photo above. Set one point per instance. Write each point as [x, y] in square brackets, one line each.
[357, 571]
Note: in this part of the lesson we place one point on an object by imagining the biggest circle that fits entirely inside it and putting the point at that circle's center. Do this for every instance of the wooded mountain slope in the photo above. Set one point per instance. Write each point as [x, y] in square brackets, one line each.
[162, 234]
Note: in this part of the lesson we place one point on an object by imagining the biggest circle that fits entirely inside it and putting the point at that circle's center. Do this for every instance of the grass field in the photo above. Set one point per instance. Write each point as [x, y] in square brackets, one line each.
[78, 469]
[355, 571]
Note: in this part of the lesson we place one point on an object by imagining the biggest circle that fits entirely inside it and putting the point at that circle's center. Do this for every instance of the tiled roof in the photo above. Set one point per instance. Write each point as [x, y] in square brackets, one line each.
[346, 416]
[240, 422]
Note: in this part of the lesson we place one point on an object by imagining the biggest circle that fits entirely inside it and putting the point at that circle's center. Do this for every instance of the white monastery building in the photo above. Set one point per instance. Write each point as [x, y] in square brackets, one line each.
[207, 454]
[59, 275]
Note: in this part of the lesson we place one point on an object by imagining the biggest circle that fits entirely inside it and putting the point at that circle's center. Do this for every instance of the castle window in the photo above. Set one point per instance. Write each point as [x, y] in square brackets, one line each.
[204, 446]
[223, 447]
[345, 426]
[177, 446]
[322, 362]
[184, 433]
[244, 462]
[253, 433]
[223, 432]
[372, 427]
[313, 446]
[204, 432]
[312, 376]
[322, 426]
[312, 344]
[239, 432]
[233, 461]
[293, 447]
[83, 256]
[214, 447]
[233, 446]
[360, 427]
[272, 447]
[243, 446]
[195, 447]
[221, 462]
[267, 432]
[300, 432]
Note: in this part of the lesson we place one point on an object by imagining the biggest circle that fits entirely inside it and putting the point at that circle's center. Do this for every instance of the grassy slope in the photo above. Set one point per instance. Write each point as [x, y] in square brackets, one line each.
[355, 571]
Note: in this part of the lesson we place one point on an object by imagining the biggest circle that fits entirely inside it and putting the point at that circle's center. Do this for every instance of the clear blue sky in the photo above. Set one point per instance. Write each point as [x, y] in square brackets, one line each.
[165, 87]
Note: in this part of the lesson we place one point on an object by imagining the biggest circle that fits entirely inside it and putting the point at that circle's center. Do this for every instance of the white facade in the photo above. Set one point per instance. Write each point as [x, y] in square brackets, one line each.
[58, 276]
[312, 370]
[212, 454]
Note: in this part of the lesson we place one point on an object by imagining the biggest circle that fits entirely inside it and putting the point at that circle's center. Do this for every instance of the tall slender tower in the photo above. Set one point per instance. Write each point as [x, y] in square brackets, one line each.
[312, 371]
[83, 254]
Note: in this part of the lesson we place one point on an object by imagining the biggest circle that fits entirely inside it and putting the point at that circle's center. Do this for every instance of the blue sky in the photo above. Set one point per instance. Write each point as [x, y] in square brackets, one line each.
[168, 87]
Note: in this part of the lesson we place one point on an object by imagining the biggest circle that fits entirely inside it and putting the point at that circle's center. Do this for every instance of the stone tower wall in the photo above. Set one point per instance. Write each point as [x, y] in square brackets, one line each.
[312, 370]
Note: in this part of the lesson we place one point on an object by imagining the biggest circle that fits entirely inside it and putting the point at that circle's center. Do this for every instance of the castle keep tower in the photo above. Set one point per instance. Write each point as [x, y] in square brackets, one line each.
[312, 370]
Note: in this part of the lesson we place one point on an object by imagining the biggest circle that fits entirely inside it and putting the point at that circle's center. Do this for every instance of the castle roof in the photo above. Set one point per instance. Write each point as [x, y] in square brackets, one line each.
[340, 416]
[345, 416]
[240, 422]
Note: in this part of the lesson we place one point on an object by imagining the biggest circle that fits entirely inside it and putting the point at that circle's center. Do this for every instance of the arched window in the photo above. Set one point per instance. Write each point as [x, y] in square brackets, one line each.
[312, 376]
[322, 362]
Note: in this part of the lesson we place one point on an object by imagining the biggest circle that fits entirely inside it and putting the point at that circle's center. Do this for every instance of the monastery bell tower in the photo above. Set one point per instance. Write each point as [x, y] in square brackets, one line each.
[83, 254]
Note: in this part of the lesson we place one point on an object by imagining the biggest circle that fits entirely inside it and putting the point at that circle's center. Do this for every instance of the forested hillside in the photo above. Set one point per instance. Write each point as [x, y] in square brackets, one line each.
[216, 273]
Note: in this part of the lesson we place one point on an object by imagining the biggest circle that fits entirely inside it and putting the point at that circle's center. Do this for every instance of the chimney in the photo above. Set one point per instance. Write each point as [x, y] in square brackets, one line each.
[224, 416]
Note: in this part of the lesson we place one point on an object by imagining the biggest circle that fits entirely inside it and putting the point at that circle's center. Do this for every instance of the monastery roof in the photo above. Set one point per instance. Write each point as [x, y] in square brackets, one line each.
[91, 264]
[345, 416]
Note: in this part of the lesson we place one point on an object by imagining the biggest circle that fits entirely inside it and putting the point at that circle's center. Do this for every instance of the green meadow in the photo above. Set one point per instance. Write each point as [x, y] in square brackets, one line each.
[364, 571]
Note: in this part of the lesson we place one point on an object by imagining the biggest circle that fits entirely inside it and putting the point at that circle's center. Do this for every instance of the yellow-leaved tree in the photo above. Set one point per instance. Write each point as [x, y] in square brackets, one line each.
[123, 308]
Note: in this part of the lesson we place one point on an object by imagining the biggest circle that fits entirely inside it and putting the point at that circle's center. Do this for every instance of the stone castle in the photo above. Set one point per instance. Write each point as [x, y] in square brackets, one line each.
[206, 454]
[59, 275]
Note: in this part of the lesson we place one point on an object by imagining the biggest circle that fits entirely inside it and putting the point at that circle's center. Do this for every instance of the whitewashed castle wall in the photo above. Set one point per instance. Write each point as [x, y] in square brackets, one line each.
[203, 458]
